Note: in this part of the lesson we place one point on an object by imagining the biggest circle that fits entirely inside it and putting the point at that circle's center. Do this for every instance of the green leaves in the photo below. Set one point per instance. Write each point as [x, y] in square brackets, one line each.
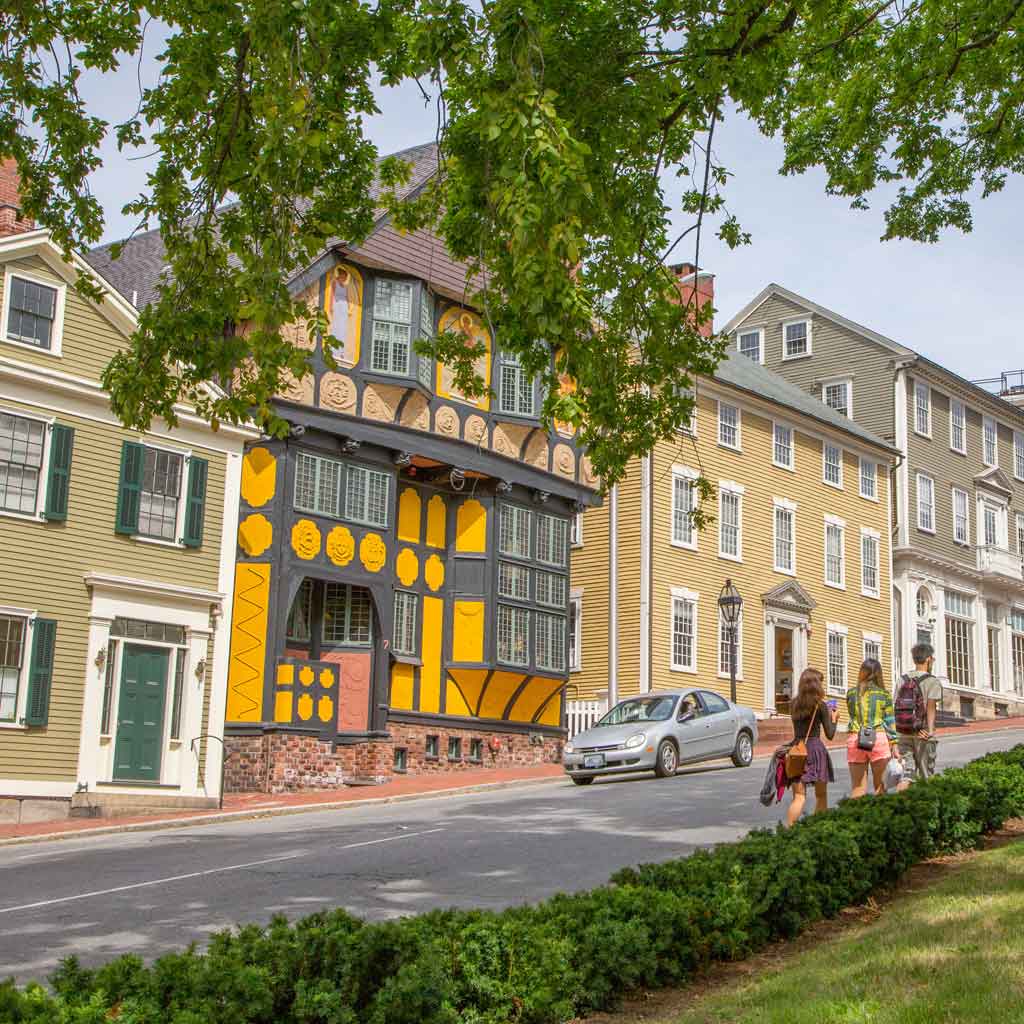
[562, 126]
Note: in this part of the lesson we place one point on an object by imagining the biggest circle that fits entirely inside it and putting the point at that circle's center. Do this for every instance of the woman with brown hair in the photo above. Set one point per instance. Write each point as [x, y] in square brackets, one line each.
[810, 714]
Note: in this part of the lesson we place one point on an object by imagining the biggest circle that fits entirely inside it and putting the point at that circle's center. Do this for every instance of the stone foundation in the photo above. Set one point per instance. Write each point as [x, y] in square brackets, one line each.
[284, 760]
[980, 706]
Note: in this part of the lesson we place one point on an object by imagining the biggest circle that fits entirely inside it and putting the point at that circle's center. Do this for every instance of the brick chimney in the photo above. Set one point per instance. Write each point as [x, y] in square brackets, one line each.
[11, 220]
[689, 281]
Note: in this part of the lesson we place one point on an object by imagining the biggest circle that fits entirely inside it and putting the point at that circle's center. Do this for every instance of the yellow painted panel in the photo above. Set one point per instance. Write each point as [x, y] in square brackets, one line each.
[470, 683]
[285, 675]
[306, 675]
[248, 642]
[341, 545]
[255, 534]
[373, 552]
[306, 539]
[430, 673]
[407, 567]
[305, 707]
[325, 708]
[471, 527]
[433, 573]
[499, 692]
[472, 327]
[468, 631]
[283, 706]
[455, 702]
[552, 713]
[437, 518]
[409, 511]
[259, 476]
[531, 699]
[343, 304]
[401, 686]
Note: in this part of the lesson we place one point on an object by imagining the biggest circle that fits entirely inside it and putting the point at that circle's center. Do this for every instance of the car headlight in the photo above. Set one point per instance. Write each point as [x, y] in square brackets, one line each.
[569, 748]
[635, 741]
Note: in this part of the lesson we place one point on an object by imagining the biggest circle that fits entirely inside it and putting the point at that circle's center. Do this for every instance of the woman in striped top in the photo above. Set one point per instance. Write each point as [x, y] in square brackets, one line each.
[870, 703]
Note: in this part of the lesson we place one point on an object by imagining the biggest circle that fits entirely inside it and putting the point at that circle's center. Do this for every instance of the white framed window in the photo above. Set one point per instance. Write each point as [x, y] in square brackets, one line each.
[925, 503]
[14, 632]
[392, 326]
[783, 454]
[990, 441]
[690, 428]
[750, 343]
[832, 464]
[993, 619]
[514, 529]
[959, 638]
[552, 539]
[873, 646]
[513, 581]
[1016, 623]
[958, 426]
[516, 393]
[550, 588]
[347, 615]
[724, 659]
[366, 495]
[835, 552]
[869, 479]
[730, 520]
[961, 517]
[684, 630]
[837, 657]
[922, 409]
[327, 487]
[784, 514]
[160, 494]
[576, 632]
[729, 426]
[838, 396]
[1020, 533]
[576, 530]
[513, 635]
[1018, 455]
[32, 313]
[404, 635]
[684, 497]
[22, 458]
[870, 542]
[796, 339]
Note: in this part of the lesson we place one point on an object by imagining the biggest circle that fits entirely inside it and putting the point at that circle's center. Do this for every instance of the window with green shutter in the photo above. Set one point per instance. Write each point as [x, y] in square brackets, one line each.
[40, 673]
[58, 481]
[129, 489]
[195, 507]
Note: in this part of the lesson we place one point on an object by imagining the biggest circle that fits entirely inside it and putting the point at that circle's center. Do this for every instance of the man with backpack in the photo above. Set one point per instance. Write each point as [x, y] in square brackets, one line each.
[918, 697]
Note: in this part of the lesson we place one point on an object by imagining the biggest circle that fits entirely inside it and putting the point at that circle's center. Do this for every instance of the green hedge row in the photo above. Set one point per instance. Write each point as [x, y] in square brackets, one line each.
[570, 955]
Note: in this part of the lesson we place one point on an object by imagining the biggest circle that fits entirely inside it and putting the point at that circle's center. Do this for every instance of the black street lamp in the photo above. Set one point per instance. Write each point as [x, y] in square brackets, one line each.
[730, 604]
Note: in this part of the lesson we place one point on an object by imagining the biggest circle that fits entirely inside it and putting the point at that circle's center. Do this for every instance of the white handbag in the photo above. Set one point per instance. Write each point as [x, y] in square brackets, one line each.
[893, 774]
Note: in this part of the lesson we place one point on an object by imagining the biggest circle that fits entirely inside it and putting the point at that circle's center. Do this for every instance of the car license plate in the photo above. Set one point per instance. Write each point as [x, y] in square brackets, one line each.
[593, 761]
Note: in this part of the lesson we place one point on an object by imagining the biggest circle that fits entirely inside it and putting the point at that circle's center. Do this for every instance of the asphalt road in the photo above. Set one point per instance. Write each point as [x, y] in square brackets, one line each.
[148, 893]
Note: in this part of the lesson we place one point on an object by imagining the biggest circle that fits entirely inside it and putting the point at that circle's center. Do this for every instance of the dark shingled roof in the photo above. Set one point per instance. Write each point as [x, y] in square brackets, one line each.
[742, 372]
[135, 274]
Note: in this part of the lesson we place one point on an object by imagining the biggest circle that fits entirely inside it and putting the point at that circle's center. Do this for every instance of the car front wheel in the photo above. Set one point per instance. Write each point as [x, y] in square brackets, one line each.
[668, 760]
[743, 752]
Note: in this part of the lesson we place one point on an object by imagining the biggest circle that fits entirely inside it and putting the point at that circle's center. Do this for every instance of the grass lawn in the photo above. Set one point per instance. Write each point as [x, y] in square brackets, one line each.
[949, 954]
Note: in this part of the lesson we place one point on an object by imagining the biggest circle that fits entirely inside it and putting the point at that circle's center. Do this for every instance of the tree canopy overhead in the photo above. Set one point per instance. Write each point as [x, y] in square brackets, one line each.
[557, 122]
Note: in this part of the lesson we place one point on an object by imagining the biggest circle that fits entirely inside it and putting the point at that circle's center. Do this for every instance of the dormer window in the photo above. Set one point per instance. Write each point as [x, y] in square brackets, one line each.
[516, 390]
[32, 312]
[392, 326]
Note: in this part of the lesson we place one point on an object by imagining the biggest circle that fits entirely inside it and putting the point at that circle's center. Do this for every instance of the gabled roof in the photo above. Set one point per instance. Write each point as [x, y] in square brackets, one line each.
[789, 595]
[742, 372]
[994, 478]
[137, 272]
[776, 290]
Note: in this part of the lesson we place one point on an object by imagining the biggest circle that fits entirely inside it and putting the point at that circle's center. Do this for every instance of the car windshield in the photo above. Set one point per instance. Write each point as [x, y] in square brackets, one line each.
[642, 709]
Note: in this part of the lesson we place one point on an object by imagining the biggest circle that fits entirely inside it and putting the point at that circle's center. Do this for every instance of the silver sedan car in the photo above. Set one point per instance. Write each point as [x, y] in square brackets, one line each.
[659, 732]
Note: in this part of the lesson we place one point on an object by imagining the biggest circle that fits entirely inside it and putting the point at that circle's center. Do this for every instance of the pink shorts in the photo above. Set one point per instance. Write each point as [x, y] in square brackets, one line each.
[879, 752]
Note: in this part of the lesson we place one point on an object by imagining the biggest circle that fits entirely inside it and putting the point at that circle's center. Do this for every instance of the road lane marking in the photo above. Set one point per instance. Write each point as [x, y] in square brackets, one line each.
[202, 874]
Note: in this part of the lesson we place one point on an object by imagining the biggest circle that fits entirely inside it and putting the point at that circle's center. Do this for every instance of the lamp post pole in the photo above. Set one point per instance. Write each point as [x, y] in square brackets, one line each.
[732, 663]
[730, 605]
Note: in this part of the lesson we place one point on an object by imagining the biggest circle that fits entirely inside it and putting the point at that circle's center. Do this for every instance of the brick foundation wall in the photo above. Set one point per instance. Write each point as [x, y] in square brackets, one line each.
[984, 704]
[280, 761]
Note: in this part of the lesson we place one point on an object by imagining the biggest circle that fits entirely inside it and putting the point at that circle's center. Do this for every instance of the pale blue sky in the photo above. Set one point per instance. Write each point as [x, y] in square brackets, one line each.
[955, 302]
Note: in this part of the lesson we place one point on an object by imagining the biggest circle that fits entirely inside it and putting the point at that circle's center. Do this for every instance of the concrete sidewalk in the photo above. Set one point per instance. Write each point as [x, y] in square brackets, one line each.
[256, 805]
[768, 747]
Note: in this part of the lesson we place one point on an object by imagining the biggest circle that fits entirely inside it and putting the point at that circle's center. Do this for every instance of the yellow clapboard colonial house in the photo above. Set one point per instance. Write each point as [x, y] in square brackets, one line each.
[800, 527]
[119, 564]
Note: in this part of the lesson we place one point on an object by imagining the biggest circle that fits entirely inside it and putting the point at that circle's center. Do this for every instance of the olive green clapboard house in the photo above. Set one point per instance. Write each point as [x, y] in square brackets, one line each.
[118, 555]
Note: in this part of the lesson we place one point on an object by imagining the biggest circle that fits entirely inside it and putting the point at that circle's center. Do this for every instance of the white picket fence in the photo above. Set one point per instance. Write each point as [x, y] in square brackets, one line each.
[580, 715]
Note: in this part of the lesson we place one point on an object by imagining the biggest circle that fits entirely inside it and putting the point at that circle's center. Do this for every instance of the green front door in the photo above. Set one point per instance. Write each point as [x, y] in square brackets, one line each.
[140, 713]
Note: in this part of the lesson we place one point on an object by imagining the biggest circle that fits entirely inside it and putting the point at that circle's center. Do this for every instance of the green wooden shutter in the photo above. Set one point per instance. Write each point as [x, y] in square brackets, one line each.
[129, 489]
[195, 504]
[40, 673]
[58, 481]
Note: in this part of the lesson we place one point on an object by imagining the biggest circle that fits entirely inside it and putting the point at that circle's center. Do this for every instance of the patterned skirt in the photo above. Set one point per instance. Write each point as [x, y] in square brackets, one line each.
[819, 763]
